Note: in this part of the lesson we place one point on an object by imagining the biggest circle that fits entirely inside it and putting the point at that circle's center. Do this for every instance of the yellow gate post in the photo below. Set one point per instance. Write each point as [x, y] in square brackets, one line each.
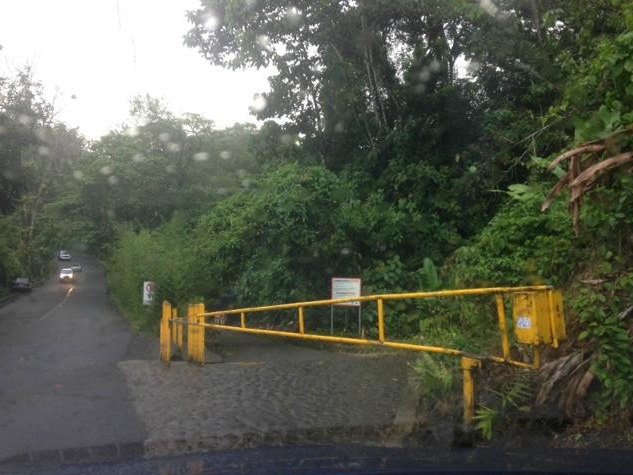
[201, 335]
[165, 333]
[192, 329]
[381, 321]
[174, 329]
[177, 330]
[468, 364]
[302, 322]
[503, 326]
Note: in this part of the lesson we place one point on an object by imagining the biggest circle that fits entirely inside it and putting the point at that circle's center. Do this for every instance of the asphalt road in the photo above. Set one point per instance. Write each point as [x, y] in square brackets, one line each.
[75, 380]
[60, 386]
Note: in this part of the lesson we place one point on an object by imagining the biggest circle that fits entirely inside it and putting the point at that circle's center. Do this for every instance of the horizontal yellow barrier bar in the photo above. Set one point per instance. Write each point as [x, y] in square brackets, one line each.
[365, 342]
[371, 298]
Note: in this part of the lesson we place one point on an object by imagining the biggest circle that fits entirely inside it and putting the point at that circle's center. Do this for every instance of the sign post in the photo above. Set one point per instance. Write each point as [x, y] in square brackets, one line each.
[343, 288]
[149, 288]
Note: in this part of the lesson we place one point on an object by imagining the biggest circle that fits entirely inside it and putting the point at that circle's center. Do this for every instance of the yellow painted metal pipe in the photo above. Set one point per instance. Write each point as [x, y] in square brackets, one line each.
[192, 334]
[243, 319]
[552, 323]
[302, 323]
[468, 364]
[364, 342]
[503, 326]
[372, 298]
[201, 344]
[381, 321]
[165, 333]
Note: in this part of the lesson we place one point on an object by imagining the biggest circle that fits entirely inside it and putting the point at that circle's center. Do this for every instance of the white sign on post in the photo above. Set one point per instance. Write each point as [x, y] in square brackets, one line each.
[346, 287]
[148, 292]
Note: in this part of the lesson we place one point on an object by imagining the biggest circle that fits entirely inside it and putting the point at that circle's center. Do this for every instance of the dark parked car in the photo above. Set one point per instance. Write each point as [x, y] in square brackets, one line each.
[22, 284]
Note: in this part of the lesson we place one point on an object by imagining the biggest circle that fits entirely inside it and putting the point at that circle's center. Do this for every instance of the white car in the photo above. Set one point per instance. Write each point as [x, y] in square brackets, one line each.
[66, 275]
[63, 256]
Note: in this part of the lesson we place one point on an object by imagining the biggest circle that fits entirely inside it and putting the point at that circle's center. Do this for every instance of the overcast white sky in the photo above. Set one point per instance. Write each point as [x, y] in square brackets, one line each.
[106, 51]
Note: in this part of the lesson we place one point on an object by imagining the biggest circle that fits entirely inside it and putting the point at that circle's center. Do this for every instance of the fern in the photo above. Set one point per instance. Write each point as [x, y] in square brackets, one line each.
[487, 419]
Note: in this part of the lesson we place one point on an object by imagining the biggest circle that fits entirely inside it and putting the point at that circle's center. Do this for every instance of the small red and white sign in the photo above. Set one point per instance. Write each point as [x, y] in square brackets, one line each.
[345, 288]
[149, 288]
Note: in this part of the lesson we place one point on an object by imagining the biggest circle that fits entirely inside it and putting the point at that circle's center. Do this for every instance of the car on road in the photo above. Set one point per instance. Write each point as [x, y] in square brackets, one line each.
[63, 256]
[66, 275]
[21, 284]
[76, 267]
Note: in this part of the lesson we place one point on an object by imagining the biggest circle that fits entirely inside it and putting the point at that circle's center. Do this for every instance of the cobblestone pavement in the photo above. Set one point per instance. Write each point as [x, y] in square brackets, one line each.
[267, 391]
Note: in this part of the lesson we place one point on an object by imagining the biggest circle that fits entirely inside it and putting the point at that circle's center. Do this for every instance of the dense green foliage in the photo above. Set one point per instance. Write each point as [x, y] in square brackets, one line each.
[413, 155]
[35, 155]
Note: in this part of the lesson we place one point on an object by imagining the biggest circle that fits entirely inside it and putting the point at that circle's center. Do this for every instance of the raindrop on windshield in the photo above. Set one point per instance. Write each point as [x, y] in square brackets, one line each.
[43, 151]
[435, 66]
[201, 156]
[138, 157]
[339, 127]
[25, 119]
[78, 175]
[131, 131]
[293, 16]
[163, 137]
[424, 75]
[41, 133]
[489, 7]
[345, 251]
[473, 67]
[247, 182]
[8, 174]
[170, 169]
[106, 170]
[113, 180]
[3, 129]
[259, 103]
[225, 154]
[263, 41]
[286, 139]
[173, 147]
[211, 23]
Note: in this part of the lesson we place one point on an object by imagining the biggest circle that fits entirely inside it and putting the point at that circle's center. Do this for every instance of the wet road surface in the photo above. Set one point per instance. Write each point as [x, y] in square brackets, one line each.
[74, 375]
[60, 385]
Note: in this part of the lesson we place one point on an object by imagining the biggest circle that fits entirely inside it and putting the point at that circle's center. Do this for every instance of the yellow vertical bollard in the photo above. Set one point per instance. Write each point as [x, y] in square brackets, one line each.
[174, 329]
[468, 364]
[202, 348]
[552, 322]
[178, 328]
[181, 337]
[381, 320]
[192, 339]
[243, 320]
[503, 326]
[302, 323]
[165, 333]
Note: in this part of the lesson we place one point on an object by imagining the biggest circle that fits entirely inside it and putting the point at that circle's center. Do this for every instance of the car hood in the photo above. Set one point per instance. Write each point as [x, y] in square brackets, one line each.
[128, 459]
